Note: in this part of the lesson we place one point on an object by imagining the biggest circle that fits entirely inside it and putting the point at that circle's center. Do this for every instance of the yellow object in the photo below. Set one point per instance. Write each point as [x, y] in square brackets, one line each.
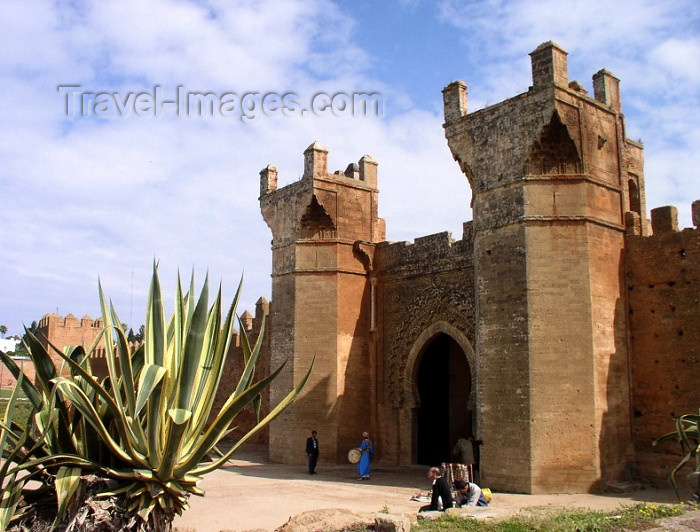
[487, 494]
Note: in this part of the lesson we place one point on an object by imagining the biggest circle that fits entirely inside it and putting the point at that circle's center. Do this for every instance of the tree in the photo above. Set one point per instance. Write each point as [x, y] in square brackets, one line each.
[136, 337]
[3, 330]
[21, 349]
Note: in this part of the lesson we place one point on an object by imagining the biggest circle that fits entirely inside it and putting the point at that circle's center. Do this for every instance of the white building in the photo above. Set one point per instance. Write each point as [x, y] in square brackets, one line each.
[9, 344]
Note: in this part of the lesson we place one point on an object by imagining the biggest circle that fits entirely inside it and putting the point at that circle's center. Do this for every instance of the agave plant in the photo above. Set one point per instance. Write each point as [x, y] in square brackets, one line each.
[146, 426]
[687, 434]
[12, 441]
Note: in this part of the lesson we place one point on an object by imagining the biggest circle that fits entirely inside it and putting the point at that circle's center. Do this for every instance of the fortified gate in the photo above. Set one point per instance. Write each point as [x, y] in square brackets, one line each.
[561, 328]
[518, 333]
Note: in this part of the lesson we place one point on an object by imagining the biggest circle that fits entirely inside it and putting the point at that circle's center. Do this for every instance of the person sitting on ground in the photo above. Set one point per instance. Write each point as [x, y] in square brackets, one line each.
[469, 494]
[441, 494]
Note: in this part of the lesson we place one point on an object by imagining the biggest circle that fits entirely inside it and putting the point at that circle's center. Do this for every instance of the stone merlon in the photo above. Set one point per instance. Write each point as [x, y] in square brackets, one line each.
[549, 66]
[315, 161]
[268, 179]
[454, 98]
[606, 89]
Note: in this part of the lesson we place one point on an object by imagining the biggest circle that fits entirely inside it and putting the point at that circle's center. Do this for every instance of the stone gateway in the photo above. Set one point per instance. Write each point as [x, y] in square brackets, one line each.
[518, 334]
[561, 329]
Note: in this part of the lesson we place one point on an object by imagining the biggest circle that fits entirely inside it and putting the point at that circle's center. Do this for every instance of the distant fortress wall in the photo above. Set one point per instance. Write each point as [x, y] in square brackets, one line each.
[67, 331]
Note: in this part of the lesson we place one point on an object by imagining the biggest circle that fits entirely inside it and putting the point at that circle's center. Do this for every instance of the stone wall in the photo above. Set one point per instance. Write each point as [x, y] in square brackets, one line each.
[423, 286]
[578, 330]
[68, 331]
[7, 380]
[64, 332]
[663, 286]
[234, 366]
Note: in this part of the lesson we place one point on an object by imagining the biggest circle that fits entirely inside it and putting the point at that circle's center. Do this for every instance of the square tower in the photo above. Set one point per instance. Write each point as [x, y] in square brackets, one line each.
[550, 172]
[320, 301]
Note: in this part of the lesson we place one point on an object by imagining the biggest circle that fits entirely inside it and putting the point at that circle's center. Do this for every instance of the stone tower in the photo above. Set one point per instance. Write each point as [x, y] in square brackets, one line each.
[552, 178]
[320, 301]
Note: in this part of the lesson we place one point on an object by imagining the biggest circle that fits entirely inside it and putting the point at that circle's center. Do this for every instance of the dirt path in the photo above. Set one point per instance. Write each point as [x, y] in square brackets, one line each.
[251, 494]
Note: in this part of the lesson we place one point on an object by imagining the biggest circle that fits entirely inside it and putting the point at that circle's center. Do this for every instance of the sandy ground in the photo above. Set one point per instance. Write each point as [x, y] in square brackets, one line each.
[251, 494]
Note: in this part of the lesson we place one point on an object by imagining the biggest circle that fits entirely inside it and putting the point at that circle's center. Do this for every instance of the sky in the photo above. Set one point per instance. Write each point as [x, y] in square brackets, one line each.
[96, 183]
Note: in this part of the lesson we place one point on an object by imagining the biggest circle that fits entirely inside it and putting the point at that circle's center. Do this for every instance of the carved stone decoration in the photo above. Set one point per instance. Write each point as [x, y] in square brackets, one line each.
[364, 251]
[438, 302]
[316, 222]
[555, 152]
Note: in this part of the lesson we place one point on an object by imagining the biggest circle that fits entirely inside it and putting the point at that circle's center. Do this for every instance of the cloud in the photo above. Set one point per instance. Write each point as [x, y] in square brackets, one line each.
[651, 46]
[85, 197]
[96, 197]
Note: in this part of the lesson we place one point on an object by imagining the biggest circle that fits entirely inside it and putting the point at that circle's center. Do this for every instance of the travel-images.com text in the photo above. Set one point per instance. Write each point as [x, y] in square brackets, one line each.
[81, 103]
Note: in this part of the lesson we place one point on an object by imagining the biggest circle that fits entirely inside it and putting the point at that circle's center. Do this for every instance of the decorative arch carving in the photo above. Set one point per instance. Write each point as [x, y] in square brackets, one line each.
[439, 303]
[635, 202]
[555, 152]
[316, 222]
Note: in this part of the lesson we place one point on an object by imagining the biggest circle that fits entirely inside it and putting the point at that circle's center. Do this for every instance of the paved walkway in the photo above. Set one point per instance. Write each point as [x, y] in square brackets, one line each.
[251, 494]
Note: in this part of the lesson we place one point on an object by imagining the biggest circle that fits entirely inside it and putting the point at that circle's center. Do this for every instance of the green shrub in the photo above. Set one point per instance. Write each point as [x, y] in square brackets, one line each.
[19, 413]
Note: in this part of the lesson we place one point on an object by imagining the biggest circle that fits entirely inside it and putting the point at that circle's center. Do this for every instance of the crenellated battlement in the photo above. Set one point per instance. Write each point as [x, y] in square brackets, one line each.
[426, 251]
[662, 274]
[549, 69]
[322, 207]
[663, 220]
[363, 173]
[86, 322]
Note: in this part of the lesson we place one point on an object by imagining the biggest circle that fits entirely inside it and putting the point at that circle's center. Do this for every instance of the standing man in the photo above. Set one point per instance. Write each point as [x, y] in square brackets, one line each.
[312, 452]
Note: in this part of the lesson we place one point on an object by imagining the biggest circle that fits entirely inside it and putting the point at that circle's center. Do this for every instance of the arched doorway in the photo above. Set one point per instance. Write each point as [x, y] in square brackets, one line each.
[443, 382]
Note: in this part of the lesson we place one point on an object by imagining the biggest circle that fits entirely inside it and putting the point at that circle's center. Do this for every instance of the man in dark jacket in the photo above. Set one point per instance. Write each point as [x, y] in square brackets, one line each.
[312, 452]
[441, 493]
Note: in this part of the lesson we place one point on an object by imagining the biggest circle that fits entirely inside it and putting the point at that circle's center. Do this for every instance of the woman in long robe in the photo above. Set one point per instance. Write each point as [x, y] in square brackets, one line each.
[363, 466]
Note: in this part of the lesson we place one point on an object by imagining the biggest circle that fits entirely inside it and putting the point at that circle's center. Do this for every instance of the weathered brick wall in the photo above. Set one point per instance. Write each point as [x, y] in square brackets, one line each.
[663, 286]
[233, 369]
[608, 336]
[502, 347]
[69, 331]
[7, 380]
[355, 388]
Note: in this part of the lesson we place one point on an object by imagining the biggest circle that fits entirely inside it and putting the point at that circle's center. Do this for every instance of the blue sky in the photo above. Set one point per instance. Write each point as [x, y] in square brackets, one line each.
[84, 197]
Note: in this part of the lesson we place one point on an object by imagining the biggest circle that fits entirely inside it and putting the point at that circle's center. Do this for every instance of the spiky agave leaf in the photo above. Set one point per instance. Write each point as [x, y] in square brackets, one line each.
[687, 434]
[11, 493]
[67, 482]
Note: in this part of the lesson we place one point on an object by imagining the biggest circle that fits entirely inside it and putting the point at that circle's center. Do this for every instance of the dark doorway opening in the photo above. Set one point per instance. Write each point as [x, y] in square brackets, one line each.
[444, 384]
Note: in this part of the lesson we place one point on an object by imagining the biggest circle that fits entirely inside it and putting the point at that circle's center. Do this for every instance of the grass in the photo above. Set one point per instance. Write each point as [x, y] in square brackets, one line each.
[5, 395]
[22, 407]
[639, 517]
